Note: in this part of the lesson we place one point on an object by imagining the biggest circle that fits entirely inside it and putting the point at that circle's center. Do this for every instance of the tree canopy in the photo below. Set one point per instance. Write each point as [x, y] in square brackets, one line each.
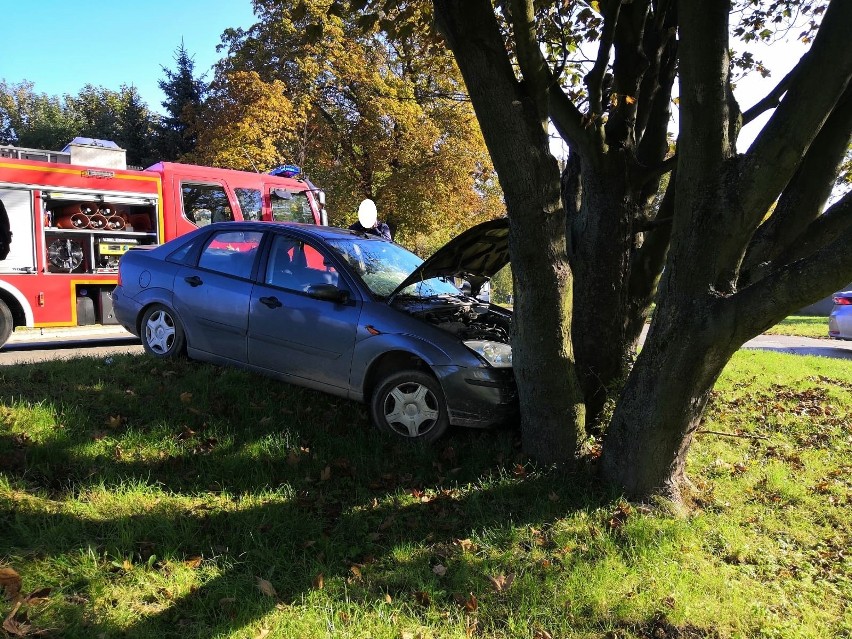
[371, 114]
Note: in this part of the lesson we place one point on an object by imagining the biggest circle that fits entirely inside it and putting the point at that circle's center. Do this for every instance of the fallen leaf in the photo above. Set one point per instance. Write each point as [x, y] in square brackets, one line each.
[227, 601]
[325, 475]
[263, 632]
[265, 587]
[16, 625]
[319, 582]
[192, 562]
[10, 581]
[553, 497]
[265, 421]
[422, 597]
[356, 571]
[114, 421]
[127, 565]
[388, 598]
[502, 583]
[470, 603]
[186, 398]
[439, 570]
[465, 544]
[37, 596]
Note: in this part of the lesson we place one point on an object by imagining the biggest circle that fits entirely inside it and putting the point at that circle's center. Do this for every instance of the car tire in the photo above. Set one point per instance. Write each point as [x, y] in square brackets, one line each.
[410, 404]
[7, 323]
[162, 334]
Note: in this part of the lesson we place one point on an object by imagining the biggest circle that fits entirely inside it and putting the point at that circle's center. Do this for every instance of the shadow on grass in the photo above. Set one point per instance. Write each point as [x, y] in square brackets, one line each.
[317, 491]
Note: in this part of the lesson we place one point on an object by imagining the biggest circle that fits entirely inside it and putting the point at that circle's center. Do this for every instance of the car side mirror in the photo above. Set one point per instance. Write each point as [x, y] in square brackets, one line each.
[329, 293]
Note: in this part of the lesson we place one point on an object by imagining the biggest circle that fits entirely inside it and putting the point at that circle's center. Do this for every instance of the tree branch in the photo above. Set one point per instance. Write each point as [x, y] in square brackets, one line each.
[819, 80]
[803, 199]
[594, 78]
[772, 99]
[798, 283]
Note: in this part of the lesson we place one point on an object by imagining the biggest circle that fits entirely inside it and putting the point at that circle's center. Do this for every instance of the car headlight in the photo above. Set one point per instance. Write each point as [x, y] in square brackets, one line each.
[497, 354]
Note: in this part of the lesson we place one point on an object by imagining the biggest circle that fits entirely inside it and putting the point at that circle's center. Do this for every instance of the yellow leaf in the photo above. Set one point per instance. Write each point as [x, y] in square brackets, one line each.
[319, 582]
[127, 565]
[265, 587]
[262, 633]
[388, 598]
[193, 562]
[629, 99]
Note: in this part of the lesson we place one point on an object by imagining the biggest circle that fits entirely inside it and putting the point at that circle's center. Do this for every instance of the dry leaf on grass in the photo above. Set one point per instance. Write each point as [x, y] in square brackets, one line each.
[439, 570]
[319, 582]
[266, 587]
[192, 562]
[502, 583]
[10, 582]
[186, 397]
[262, 633]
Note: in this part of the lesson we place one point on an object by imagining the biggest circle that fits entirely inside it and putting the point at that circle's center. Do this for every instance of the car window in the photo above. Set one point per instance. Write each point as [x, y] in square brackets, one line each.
[384, 265]
[293, 208]
[295, 266]
[231, 252]
[250, 203]
[206, 203]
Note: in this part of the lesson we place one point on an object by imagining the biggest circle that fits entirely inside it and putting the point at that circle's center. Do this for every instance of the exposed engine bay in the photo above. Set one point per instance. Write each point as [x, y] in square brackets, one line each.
[465, 317]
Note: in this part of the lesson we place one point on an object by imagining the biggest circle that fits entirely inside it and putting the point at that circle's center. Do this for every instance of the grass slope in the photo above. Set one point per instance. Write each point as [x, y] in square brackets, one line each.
[142, 499]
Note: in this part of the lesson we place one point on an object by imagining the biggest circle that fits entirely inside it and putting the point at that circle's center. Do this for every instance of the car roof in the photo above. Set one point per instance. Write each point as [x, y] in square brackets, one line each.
[314, 230]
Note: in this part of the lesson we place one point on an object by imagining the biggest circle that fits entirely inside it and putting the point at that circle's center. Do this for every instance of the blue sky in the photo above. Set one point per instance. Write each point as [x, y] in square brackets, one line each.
[62, 45]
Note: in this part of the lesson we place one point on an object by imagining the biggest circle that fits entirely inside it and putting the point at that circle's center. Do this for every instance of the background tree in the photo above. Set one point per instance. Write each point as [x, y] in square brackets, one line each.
[245, 124]
[373, 116]
[136, 128]
[176, 133]
[734, 265]
[35, 120]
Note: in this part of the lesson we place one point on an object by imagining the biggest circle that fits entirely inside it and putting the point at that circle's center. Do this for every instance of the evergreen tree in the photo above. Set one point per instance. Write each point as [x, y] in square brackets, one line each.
[137, 125]
[177, 132]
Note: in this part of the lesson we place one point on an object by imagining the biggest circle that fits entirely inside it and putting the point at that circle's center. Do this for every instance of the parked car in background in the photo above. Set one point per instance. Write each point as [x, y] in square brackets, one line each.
[331, 309]
[840, 320]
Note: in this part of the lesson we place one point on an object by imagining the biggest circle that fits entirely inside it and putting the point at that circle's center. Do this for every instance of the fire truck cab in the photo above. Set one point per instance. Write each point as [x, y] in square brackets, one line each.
[71, 215]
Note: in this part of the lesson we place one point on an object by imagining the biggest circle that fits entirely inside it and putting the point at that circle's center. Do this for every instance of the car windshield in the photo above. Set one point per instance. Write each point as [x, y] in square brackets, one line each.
[384, 265]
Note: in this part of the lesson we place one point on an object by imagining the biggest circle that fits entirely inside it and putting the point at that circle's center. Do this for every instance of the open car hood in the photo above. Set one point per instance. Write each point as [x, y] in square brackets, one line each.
[476, 255]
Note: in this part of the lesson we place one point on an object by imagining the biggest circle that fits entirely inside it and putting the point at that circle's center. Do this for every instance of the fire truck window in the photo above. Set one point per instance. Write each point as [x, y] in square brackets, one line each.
[231, 252]
[296, 208]
[250, 203]
[206, 203]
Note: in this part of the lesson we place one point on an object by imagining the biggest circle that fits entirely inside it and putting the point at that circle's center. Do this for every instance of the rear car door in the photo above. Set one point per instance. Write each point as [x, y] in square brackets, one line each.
[293, 333]
[213, 297]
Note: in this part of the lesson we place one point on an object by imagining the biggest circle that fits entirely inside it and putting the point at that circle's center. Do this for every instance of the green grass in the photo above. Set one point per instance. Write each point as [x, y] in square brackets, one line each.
[184, 500]
[802, 326]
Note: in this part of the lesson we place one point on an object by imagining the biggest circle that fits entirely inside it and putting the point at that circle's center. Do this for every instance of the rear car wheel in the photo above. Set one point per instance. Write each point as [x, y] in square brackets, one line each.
[162, 335]
[6, 323]
[410, 404]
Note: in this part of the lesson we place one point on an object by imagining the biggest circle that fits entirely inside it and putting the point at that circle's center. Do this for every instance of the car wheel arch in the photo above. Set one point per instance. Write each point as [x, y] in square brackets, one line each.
[390, 362]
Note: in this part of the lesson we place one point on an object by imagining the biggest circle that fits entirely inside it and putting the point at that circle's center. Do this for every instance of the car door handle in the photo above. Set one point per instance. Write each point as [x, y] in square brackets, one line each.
[271, 302]
[193, 280]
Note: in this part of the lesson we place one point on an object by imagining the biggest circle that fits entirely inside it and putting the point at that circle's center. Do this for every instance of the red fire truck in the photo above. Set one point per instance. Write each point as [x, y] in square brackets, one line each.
[73, 214]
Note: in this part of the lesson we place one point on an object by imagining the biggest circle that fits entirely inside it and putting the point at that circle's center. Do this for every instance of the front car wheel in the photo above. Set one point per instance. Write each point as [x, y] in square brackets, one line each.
[410, 404]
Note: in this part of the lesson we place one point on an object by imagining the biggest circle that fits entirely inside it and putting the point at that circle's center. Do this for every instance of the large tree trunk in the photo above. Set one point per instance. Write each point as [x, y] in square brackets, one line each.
[513, 119]
[703, 316]
[600, 240]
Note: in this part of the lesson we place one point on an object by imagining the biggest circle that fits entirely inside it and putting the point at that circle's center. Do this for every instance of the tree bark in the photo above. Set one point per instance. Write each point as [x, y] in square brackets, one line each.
[702, 316]
[512, 116]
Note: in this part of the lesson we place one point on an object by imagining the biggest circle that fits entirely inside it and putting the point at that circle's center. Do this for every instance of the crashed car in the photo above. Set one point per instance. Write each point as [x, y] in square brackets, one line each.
[335, 310]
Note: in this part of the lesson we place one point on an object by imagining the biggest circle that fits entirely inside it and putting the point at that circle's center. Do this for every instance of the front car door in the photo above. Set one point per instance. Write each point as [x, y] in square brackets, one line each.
[293, 333]
[213, 297]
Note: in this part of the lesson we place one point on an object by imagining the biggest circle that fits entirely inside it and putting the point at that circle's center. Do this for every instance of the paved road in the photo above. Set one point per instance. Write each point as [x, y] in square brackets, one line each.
[36, 345]
[39, 345]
